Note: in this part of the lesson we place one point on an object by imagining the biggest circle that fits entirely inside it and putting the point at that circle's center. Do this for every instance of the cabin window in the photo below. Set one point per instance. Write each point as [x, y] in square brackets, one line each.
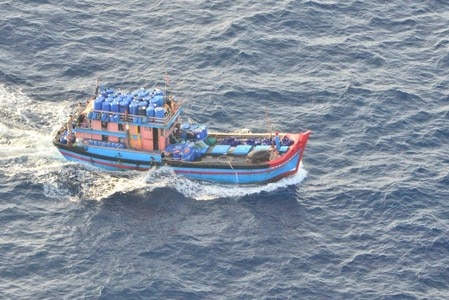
[120, 127]
[104, 138]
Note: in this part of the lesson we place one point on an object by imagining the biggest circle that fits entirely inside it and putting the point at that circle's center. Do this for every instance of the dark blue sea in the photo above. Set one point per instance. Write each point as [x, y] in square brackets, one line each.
[366, 218]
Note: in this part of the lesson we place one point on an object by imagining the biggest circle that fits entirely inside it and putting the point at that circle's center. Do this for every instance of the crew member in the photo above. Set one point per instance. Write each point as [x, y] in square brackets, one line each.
[70, 130]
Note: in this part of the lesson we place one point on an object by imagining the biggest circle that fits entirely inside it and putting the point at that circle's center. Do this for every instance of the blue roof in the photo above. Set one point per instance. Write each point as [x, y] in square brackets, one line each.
[242, 149]
[220, 149]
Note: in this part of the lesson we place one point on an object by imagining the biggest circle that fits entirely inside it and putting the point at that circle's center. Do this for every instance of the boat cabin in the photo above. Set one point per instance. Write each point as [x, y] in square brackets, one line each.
[146, 123]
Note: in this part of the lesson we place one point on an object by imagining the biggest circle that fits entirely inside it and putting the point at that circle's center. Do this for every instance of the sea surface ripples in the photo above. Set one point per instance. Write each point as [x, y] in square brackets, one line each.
[367, 217]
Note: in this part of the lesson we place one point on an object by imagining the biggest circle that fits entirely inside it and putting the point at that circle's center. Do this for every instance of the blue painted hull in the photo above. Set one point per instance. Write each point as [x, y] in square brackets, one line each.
[124, 159]
[243, 176]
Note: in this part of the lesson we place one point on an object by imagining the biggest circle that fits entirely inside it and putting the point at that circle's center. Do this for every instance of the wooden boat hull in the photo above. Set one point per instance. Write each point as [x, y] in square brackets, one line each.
[143, 129]
[226, 168]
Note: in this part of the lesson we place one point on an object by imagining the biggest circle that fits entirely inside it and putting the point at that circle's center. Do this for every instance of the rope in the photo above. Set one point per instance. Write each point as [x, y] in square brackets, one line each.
[230, 165]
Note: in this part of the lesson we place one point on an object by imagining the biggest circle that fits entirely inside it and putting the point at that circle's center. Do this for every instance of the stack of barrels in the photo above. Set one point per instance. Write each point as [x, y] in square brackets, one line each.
[142, 105]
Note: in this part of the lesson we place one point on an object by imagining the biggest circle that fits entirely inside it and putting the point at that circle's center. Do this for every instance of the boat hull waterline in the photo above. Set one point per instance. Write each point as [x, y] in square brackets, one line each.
[222, 172]
[115, 140]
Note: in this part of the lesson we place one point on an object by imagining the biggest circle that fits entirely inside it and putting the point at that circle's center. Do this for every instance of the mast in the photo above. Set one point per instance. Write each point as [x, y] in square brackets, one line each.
[269, 126]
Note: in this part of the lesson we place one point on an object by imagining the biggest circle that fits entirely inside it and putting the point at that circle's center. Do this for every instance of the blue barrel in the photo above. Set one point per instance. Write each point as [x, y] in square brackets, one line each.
[142, 93]
[150, 111]
[129, 97]
[106, 106]
[157, 100]
[188, 154]
[115, 106]
[159, 112]
[115, 118]
[134, 107]
[105, 118]
[142, 108]
[123, 106]
[98, 102]
[200, 133]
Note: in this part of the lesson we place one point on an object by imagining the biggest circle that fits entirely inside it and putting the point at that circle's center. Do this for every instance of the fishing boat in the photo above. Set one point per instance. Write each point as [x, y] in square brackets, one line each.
[146, 128]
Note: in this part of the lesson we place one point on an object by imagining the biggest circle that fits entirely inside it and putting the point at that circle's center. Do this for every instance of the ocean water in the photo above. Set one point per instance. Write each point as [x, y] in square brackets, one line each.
[366, 218]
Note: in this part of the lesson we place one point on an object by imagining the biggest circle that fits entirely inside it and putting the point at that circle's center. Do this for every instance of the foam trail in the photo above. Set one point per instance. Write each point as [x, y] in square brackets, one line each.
[26, 128]
[24, 137]
[26, 151]
[210, 191]
[99, 185]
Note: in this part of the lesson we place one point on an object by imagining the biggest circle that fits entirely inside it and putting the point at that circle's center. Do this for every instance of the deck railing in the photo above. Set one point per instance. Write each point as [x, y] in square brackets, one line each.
[124, 117]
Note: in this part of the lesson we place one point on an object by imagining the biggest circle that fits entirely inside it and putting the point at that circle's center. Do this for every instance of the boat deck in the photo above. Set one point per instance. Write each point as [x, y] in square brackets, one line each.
[225, 154]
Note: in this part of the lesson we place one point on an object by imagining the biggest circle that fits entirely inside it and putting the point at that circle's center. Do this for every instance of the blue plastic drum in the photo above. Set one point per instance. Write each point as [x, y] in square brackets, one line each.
[159, 112]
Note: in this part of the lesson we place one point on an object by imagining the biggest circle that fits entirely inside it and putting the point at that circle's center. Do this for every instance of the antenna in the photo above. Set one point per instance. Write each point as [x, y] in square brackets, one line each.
[167, 83]
[269, 126]
[96, 88]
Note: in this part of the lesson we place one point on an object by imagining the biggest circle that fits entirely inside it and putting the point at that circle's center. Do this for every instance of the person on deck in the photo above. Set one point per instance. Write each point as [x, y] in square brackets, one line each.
[79, 113]
[80, 108]
[167, 106]
[274, 153]
[70, 130]
[172, 103]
